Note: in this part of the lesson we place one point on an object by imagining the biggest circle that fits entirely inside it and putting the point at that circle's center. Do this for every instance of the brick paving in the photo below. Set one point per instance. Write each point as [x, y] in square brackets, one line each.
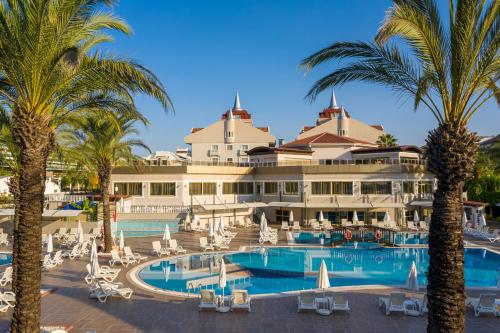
[70, 305]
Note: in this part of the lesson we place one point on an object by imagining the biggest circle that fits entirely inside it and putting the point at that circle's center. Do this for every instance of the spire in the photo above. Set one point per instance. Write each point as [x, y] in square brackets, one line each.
[342, 114]
[333, 101]
[230, 114]
[237, 105]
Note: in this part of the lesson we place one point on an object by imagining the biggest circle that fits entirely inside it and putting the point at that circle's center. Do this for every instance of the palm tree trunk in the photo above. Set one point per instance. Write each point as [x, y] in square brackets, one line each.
[104, 180]
[14, 190]
[451, 152]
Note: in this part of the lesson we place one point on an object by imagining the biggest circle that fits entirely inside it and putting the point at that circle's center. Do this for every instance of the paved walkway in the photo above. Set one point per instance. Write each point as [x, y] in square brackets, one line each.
[69, 305]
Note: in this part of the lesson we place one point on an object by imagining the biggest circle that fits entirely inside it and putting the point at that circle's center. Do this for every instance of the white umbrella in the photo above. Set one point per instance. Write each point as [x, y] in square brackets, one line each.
[387, 218]
[416, 218]
[166, 272]
[482, 220]
[166, 234]
[498, 281]
[265, 258]
[290, 218]
[355, 217]
[323, 282]
[122, 241]
[94, 260]
[474, 219]
[211, 228]
[80, 233]
[320, 218]
[464, 219]
[412, 280]
[222, 277]
[187, 220]
[221, 225]
[50, 246]
[263, 222]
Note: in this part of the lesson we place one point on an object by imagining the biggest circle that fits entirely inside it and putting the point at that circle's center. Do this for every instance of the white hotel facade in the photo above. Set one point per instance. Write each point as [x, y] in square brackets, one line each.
[237, 170]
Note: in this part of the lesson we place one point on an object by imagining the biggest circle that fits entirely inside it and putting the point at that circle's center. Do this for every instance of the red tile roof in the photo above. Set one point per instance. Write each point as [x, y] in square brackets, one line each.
[379, 127]
[263, 129]
[279, 150]
[196, 129]
[307, 128]
[242, 114]
[407, 148]
[325, 138]
[327, 113]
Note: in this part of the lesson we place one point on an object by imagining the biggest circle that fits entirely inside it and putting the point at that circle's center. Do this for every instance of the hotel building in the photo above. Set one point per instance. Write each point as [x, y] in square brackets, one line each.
[237, 171]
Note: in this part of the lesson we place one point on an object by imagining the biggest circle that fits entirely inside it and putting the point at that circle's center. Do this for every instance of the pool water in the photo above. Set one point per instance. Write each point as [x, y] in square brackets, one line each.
[414, 238]
[141, 228]
[5, 259]
[274, 270]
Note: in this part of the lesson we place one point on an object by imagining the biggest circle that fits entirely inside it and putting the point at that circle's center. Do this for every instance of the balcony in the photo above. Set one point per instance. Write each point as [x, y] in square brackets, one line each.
[242, 152]
[212, 152]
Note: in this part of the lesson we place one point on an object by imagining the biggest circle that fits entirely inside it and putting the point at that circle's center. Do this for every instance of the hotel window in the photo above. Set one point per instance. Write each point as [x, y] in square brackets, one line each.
[376, 188]
[214, 148]
[230, 134]
[426, 187]
[321, 188]
[229, 160]
[202, 188]
[229, 147]
[245, 188]
[229, 188]
[244, 147]
[408, 187]
[244, 160]
[282, 215]
[270, 188]
[128, 188]
[163, 189]
[291, 188]
[344, 188]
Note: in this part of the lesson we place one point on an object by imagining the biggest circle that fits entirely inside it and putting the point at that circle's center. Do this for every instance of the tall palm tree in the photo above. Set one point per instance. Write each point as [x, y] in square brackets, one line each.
[387, 140]
[100, 142]
[452, 71]
[50, 69]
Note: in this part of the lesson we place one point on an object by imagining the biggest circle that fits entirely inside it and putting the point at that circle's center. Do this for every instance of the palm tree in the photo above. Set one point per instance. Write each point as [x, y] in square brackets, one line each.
[452, 71]
[387, 140]
[50, 69]
[100, 142]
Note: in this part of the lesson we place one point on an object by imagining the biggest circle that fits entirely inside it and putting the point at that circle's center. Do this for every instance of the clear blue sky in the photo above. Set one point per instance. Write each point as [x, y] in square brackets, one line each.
[203, 51]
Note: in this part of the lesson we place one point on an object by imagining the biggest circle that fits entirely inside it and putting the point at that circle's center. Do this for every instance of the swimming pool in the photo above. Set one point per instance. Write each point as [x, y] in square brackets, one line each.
[401, 238]
[141, 228]
[5, 259]
[282, 269]
[411, 238]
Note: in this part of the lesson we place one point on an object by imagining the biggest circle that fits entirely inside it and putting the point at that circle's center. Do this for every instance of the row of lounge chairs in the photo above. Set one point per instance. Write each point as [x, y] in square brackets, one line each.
[78, 251]
[322, 302]
[173, 247]
[239, 299]
[484, 233]
[128, 257]
[51, 262]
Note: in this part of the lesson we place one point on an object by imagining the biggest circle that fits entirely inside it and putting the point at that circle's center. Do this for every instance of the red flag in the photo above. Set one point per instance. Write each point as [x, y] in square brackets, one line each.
[114, 214]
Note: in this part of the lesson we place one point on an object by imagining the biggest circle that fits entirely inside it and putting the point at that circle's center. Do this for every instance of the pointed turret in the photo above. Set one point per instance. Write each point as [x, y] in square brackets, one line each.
[237, 105]
[342, 123]
[333, 101]
[342, 114]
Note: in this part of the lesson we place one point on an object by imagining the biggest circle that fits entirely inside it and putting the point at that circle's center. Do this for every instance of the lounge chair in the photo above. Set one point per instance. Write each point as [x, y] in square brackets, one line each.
[240, 300]
[158, 250]
[4, 239]
[394, 303]
[494, 236]
[221, 243]
[74, 253]
[208, 300]
[102, 291]
[57, 258]
[296, 226]
[105, 273]
[316, 226]
[423, 226]
[340, 302]
[6, 276]
[327, 225]
[484, 304]
[7, 300]
[94, 233]
[306, 301]
[46, 263]
[60, 233]
[285, 226]
[422, 305]
[115, 258]
[204, 244]
[175, 247]
[127, 251]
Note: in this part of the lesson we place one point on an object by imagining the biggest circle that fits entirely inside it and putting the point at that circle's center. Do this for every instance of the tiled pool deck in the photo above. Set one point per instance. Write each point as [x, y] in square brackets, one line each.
[70, 305]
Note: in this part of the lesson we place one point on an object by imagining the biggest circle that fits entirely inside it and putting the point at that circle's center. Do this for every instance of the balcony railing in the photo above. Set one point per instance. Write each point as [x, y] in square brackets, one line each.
[213, 152]
[64, 197]
[152, 209]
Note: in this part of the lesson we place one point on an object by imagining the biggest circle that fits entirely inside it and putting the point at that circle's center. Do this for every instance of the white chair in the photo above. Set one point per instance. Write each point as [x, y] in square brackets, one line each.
[484, 304]
[422, 305]
[394, 303]
[127, 251]
[4, 239]
[105, 273]
[220, 243]
[94, 233]
[423, 226]
[208, 300]
[74, 253]
[7, 300]
[296, 226]
[340, 302]
[316, 226]
[158, 250]
[327, 225]
[60, 233]
[57, 259]
[306, 301]
[175, 247]
[204, 244]
[6, 276]
[102, 291]
[46, 263]
[285, 226]
[494, 236]
[240, 300]
[115, 258]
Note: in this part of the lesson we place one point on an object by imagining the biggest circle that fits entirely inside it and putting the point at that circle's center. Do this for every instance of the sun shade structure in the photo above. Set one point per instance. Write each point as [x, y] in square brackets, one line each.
[412, 280]
[323, 281]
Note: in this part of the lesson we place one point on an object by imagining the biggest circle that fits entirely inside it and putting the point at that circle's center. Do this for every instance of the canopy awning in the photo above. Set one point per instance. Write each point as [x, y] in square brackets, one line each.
[279, 204]
[421, 203]
[355, 205]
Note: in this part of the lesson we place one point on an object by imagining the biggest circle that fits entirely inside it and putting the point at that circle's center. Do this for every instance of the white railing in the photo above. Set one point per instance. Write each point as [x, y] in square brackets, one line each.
[152, 209]
[64, 197]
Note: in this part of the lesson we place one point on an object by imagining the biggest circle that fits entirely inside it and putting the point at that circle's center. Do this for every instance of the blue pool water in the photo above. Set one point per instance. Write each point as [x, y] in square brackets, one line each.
[141, 228]
[5, 259]
[408, 238]
[273, 270]
[403, 238]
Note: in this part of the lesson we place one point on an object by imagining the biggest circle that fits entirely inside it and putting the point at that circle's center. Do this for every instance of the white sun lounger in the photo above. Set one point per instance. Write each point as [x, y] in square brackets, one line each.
[316, 226]
[7, 300]
[6, 276]
[174, 247]
[158, 250]
[46, 263]
[60, 233]
[484, 304]
[285, 226]
[102, 291]
[127, 251]
[105, 273]
[306, 301]
[4, 239]
[421, 304]
[208, 300]
[394, 303]
[204, 244]
[57, 259]
[74, 253]
[240, 300]
[494, 236]
[340, 302]
[296, 226]
[115, 258]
